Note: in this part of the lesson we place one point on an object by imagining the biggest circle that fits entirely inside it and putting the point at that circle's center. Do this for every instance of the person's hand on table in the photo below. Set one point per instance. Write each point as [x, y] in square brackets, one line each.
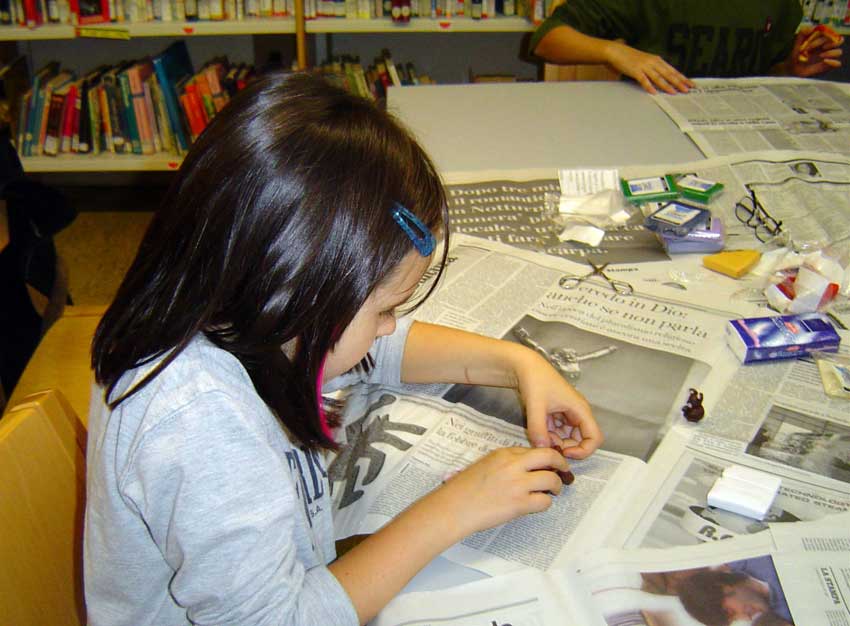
[815, 51]
[556, 413]
[650, 70]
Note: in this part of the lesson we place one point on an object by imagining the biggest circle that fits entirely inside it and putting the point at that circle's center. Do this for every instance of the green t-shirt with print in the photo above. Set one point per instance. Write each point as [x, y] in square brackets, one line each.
[723, 38]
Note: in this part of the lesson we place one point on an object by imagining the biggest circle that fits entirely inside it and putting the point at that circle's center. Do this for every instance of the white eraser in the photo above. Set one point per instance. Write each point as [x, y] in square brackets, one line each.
[744, 491]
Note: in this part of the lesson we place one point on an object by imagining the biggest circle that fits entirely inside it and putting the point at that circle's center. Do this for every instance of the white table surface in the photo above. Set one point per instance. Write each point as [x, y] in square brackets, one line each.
[503, 126]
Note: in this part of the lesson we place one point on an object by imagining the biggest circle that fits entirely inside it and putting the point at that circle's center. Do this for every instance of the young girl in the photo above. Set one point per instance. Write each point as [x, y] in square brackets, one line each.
[300, 221]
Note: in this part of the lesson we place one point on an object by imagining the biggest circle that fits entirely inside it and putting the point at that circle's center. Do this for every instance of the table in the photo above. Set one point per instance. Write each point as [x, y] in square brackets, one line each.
[507, 126]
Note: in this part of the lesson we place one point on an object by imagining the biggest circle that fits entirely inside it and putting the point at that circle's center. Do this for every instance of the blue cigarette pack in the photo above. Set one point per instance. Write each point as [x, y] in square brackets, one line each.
[780, 337]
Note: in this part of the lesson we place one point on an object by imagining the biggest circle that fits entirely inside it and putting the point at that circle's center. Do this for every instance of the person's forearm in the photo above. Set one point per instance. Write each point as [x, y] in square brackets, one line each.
[377, 569]
[438, 354]
[566, 45]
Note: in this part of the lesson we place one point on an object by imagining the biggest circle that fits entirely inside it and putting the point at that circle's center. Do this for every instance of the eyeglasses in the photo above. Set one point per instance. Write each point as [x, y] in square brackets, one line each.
[750, 212]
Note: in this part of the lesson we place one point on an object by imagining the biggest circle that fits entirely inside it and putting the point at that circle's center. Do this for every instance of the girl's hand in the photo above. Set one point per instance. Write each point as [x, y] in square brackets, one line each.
[814, 52]
[650, 70]
[505, 484]
[556, 414]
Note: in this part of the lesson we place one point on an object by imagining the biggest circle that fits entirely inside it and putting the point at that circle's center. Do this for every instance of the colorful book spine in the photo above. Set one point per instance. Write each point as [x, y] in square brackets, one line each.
[53, 123]
[117, 123]
[70, 113]
[139, 109]
[108, 144]
[129, 113]
[151, 117]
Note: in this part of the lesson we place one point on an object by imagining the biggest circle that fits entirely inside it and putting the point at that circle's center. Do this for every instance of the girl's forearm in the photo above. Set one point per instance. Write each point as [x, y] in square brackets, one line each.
[438, 354]
[378, 568]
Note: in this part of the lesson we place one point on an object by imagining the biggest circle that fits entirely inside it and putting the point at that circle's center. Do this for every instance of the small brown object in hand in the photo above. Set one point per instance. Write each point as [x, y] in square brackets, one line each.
[567, 478]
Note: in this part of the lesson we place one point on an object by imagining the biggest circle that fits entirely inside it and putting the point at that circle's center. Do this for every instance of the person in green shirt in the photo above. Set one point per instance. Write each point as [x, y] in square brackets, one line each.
[662, 44]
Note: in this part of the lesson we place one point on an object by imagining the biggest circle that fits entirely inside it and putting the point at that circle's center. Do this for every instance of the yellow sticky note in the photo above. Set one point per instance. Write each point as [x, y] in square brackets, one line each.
[734, 263]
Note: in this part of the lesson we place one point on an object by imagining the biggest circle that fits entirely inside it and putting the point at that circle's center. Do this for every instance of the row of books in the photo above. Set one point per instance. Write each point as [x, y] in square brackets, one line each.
[371, 82]
[403, 10]
[32, 13]
[141, 107]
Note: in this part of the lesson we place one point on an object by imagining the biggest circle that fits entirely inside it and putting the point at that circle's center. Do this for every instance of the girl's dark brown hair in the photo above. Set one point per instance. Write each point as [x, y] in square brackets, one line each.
[277, 227]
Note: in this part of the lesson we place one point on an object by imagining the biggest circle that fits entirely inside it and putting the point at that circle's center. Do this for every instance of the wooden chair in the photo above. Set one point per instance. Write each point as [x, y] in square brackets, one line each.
[42, 495]
[62, 360]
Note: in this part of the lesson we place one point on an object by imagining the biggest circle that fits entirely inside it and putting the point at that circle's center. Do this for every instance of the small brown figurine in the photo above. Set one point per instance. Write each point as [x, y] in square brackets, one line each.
[693, 410]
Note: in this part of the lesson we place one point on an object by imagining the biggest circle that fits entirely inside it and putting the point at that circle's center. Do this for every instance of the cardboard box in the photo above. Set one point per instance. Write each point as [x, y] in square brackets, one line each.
[780, 337]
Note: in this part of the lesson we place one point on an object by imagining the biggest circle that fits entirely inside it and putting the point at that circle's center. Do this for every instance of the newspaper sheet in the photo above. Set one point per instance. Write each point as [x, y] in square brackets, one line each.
[727, 116]
[681, 473]
[808, 192]
[778, 415]
[405, 460]
[797, 574]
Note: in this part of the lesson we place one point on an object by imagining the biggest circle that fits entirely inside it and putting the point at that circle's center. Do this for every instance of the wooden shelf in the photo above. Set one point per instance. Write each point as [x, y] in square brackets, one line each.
[47, 31]
[252, 26]
[102, 163]
[457, 24]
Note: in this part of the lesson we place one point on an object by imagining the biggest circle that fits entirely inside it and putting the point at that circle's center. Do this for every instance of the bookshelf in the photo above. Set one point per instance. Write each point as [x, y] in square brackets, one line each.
[114, 38]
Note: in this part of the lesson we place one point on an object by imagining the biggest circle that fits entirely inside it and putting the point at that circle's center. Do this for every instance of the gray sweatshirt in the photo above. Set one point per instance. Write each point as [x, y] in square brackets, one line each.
[201, 510]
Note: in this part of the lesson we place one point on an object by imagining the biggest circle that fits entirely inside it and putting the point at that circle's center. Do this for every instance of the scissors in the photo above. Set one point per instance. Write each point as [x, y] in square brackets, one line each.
[621, 287]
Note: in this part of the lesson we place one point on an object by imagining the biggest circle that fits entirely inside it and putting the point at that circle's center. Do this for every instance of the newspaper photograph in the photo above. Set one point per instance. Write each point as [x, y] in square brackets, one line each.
[730, 592]
[790, 574]
[592, 334]
[727, 116]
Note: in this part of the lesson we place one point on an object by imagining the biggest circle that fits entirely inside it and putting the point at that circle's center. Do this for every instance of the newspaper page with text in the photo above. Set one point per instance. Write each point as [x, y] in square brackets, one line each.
[728, 116]
[412, 443]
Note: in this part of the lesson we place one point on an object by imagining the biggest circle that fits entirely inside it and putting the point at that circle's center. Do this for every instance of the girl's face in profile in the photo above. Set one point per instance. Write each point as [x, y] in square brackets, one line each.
[376, 318]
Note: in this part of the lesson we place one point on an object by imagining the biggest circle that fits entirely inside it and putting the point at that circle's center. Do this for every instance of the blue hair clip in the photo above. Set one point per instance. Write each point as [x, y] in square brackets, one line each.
[422, 238]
